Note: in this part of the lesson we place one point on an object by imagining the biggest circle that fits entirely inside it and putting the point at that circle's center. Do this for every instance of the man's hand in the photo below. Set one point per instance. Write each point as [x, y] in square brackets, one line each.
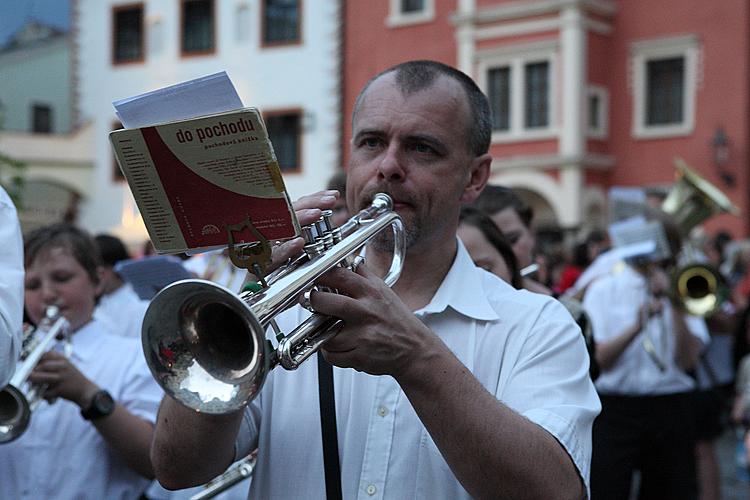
[308, 209]
[380, 334]
[62, 380]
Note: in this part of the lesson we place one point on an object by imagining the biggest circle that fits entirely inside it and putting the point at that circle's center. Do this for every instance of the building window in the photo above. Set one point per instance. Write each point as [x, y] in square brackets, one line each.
[409, 6]
[536, 107]
[198, 27]
[597, 112]
[520, 86]
[664, 84]
[41, 119]
[127, 34]
[281, 22]
[285, 132]
[117, 175]
[498, 88]
[406, 12]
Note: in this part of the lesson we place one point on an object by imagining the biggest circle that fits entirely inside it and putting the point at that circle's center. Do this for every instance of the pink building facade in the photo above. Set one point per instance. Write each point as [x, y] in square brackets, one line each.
[586, 94]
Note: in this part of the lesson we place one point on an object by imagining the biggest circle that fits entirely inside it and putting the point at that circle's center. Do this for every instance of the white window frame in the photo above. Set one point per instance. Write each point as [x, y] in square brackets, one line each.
[517, 58]
[396, 18]
[644, 51]
[601, 93]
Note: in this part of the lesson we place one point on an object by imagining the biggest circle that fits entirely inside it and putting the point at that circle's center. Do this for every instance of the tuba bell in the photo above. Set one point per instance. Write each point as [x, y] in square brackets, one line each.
[207, 347]
[700, 287]
[19, 398]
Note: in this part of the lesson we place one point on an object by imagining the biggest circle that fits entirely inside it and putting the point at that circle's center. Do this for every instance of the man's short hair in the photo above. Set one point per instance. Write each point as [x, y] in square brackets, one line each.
[413, 76]
[111, 249]
[496, 198]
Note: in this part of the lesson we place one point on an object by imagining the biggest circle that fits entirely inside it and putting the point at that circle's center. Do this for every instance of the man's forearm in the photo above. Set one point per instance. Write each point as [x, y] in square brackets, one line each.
[492, 450]
[607, 353]
[191, 448]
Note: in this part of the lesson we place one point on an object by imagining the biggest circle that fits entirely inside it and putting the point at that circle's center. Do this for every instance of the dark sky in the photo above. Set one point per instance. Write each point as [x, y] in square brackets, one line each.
[16, 13]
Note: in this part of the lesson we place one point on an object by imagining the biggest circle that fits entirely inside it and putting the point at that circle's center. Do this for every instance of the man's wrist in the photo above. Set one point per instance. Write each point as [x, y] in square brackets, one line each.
[102, 405]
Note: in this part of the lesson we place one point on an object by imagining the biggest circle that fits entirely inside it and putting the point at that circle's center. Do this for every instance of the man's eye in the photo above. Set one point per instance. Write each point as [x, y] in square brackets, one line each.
[423, 148]
[31, 285]
[62, 278]
[371, 142]
[512, 238]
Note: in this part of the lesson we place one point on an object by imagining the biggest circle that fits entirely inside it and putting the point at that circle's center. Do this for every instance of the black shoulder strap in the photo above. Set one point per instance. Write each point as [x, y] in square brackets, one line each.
[328, 426]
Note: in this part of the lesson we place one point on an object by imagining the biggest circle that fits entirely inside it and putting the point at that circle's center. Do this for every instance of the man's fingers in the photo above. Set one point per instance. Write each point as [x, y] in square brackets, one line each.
[287, 250]
[321, 199]
[354, 284]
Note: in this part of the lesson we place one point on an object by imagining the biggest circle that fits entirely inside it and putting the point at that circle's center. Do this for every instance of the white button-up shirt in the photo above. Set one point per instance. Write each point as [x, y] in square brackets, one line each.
[11, 287]
[613, 303]
[61, 455]
[524, 348]
[123, 311]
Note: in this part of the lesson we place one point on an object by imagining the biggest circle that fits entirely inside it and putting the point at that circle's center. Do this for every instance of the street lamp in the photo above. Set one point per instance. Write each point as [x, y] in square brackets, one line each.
[720, 147]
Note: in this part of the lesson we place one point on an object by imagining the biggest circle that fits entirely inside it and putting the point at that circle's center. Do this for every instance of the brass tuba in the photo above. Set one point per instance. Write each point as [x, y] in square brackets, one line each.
[699, 287]
[206, 346]
[19, 398]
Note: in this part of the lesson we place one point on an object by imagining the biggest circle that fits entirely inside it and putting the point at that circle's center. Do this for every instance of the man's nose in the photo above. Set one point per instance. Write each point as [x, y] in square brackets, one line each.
[49, 293]
[391, 167]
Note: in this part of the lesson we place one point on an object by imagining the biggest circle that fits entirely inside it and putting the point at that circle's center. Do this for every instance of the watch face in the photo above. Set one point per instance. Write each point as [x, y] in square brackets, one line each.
[103, 403]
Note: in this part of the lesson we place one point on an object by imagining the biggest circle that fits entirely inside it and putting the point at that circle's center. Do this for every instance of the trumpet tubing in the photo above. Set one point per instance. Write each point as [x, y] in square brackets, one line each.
[206, 346]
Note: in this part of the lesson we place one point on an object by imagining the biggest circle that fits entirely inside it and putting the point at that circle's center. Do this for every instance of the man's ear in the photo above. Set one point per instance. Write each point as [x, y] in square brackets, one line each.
[100, 287]
[479, 173]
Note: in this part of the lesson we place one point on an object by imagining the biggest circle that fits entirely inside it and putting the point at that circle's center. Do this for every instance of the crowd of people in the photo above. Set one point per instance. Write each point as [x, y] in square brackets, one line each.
[484, 372]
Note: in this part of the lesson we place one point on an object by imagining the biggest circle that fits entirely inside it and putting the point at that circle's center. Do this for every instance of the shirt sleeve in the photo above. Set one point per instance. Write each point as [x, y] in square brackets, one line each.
[698, 328]
[247, 438]
[594, 304]
[550, 384]
[140, 393]
[11, 287]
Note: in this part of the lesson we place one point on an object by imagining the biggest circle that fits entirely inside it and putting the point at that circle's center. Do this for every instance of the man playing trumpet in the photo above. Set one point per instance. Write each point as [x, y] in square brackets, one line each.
[461, 385]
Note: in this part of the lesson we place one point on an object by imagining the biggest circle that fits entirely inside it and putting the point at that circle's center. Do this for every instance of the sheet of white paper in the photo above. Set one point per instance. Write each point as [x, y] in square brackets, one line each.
[202, 96]
[642, 231]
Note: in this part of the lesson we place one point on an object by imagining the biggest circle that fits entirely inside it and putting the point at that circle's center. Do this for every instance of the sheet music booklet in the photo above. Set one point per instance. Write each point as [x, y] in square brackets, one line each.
[192, 178]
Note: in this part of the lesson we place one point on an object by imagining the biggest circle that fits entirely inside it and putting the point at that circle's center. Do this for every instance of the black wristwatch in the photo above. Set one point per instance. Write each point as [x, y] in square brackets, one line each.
[101, 405]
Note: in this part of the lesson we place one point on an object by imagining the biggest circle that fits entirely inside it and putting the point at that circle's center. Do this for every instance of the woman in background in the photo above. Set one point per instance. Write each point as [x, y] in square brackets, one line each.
[487, 246]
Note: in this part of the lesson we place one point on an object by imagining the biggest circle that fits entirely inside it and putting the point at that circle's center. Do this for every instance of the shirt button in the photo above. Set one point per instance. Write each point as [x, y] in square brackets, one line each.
[371, 489]
[382, 411]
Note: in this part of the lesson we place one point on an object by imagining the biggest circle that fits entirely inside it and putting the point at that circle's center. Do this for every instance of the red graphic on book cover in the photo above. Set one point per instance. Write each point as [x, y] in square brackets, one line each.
[203, 209]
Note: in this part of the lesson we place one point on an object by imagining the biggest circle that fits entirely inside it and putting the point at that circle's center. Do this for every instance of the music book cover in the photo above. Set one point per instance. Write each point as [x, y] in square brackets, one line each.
[192, 178]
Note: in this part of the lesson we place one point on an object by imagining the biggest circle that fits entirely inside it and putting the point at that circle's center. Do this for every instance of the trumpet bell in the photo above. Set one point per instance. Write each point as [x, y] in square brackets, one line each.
[699, 288]
[207, 346]
[15, 414]
[216, 373]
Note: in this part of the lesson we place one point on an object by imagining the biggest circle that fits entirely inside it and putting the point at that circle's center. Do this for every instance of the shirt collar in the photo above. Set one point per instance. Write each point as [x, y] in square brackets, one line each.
[86, 340]
[463, 290]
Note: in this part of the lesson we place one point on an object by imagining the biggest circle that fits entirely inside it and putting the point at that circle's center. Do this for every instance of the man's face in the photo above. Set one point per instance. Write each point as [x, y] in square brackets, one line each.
[414, 148]
[56, 278]
[519, 236]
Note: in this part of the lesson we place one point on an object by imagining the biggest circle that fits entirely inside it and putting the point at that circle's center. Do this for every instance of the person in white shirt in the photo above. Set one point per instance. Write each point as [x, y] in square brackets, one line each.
[118, 305]
[461, 385]
[90, 439]
[645, 345]
[11, 287]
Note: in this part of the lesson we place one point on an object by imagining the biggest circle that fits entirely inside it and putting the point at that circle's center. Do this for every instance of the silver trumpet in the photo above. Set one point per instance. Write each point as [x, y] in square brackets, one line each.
[19, 398]
[206, 346]
[239, 471]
